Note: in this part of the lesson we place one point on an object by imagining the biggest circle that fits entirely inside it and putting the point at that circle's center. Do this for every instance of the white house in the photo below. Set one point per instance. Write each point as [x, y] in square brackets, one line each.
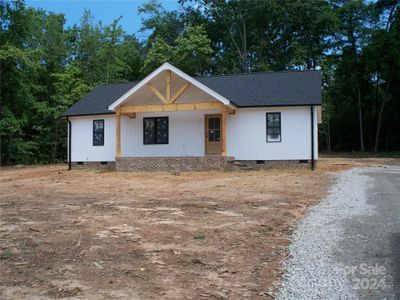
[172, 121]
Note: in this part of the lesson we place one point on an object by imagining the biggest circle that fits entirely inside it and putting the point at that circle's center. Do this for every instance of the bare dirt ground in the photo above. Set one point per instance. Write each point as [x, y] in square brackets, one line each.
[107, 235]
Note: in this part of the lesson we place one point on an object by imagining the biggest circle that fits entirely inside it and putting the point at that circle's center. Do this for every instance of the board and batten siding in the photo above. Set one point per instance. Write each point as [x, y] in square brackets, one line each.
[186, 135]
[82, 139]
[246, 134]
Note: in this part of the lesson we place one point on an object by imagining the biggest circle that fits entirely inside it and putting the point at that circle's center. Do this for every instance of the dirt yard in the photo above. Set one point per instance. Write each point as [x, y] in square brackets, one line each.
[106, 235]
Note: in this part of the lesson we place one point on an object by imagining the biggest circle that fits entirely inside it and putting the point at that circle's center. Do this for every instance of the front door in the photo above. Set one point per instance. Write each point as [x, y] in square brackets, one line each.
[213, 134]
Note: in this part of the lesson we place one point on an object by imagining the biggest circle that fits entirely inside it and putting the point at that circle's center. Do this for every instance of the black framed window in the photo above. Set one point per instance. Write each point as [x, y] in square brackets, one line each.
[155, 130]
[98, 132]
[274, 127]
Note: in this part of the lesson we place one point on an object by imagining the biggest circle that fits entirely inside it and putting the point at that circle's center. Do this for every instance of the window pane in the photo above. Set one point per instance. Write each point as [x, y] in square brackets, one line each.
[162, 124]
[162, 137]
[274, 137]
[217, 134]
[210, 123]
[273, 127]
[98, 125]
[149, 124]
[211, 137]
[149, 137]
[98, 133]
[217, 123]
[270, 130]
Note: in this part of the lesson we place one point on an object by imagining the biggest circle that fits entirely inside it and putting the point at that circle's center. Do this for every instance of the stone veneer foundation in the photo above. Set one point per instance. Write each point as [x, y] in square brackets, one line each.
[189, 164]
[173, 164]
[203, 163]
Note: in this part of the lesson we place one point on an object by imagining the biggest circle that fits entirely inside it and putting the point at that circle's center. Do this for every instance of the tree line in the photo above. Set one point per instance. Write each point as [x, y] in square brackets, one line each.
[46, 66]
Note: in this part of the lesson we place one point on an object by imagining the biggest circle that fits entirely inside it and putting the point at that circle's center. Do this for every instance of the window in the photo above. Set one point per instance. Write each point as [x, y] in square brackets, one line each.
[98, 132]
[274, 127]
[214, 129]
[155, 130]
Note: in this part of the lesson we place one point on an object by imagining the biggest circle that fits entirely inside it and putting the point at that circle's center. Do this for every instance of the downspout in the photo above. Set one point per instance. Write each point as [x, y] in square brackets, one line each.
[312, 139]
[69, 143]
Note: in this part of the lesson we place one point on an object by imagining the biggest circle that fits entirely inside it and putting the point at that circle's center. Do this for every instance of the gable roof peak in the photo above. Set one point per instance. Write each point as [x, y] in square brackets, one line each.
[178, 72]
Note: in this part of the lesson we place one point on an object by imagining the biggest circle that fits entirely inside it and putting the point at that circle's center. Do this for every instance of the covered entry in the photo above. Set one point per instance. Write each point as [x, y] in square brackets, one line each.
[170, 114]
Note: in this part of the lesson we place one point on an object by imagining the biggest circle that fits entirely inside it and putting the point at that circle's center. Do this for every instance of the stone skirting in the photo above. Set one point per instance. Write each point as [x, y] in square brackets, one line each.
[206, 163]
[189, 164]
[173, 164]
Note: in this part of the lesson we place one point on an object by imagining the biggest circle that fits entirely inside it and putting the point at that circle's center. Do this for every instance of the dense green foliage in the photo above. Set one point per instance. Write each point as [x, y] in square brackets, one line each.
[45, 66]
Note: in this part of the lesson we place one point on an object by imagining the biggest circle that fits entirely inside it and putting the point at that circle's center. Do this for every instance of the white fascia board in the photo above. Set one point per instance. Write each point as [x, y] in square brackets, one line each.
[168, 66]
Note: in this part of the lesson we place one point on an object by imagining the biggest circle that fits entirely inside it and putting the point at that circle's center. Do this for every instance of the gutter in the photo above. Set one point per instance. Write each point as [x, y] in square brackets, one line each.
[312, 138]
[69, 143]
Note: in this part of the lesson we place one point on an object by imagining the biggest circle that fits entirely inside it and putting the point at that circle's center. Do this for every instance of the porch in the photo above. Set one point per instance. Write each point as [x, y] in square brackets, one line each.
[171, 116]
[151, 131]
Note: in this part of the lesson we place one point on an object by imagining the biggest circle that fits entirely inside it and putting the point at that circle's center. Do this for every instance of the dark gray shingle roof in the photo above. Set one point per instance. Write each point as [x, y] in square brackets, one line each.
[243, 90]
[97, 101]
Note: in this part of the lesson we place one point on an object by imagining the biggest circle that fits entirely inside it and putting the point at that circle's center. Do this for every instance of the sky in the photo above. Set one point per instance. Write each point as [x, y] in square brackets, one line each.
[102, 10]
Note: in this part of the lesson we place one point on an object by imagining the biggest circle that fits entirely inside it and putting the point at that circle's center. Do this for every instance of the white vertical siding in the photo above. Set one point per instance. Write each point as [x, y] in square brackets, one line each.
[186, 135]
[246, 134]
[82, 148]
[317, 115]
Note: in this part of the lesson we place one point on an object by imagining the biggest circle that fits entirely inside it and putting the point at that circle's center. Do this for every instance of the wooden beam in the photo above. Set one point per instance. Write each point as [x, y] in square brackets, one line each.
[129, 115]
[168, 86]
[156, 92]
[180, 92]
[118, 133]
[174, 107]
[223, 128]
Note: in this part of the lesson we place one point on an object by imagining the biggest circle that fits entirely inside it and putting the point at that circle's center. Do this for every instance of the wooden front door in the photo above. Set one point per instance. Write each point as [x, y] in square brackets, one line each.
[213, 134]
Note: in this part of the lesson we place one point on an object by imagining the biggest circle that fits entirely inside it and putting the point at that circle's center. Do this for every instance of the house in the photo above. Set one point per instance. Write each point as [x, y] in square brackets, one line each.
[172, 121]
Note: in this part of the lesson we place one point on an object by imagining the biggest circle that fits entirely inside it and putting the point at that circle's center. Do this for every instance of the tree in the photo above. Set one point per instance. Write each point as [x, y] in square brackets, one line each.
[384, 52]
[159, 53]
[354, 18]
[162, 24]
[193, 50]
[191, 53]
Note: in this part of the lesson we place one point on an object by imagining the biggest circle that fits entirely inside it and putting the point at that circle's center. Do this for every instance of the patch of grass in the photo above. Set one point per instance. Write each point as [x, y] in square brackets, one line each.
[6, 254]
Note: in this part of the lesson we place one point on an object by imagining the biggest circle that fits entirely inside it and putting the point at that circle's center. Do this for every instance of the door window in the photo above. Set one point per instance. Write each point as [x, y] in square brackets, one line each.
[214, 129]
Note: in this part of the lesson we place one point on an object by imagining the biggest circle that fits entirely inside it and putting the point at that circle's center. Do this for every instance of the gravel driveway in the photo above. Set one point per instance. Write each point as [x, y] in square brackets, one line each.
[348, 246]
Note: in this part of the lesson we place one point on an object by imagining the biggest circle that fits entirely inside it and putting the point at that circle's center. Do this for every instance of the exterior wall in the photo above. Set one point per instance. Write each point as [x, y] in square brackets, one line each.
[186, 135]
[82, 139]
[246, 134]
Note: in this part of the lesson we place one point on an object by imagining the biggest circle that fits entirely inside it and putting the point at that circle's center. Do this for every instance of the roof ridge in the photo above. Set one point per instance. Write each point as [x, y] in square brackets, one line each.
[223, 75]
[258, 73]
[115, 83]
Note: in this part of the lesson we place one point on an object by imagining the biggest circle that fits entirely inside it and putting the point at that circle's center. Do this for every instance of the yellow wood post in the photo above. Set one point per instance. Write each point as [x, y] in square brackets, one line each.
[157, 93]
[168, 96]
[118, 132]
[223, 121]
[180, 92]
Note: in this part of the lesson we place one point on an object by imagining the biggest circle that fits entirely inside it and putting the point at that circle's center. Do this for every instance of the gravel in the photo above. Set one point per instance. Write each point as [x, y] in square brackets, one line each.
[311, 270]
